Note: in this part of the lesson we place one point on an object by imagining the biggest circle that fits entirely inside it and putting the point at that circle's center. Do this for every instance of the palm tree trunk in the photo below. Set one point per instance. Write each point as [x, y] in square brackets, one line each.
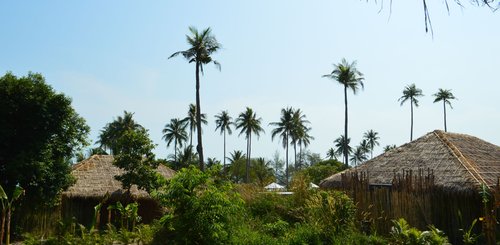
[247, 167]
[286, 156]
[295, 155]
[411, 125]
[444, 107]
[2, 229]
[224, 168]
[7, 235]
[346, 154]
[199, 147]
[175, 151]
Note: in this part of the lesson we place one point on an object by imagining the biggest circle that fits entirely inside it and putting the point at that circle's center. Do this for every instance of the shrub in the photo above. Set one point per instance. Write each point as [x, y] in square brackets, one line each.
[403, 233]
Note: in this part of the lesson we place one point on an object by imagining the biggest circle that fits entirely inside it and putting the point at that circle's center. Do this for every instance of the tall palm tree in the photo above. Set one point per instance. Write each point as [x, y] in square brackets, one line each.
[112, 131]
[284, 129]
[358, 156]
[300, 133]
[175, 131]
[248, 122]
[364, 146]
[411, 92]
[343, 147]
[444, 95]
[190, 120]
[372, 138]
[202, 45]
[223, 122]
[347, 75]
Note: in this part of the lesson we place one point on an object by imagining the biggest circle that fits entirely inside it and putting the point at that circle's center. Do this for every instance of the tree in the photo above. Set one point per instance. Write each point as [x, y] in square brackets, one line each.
[444, 95]
[202, 45]
[284, 129]
[389, 147]
[40, 133]
[113, 131]
[249, 123]
[358, 156]
[371, 138]
[343, 147]
[7, 209]
[175, 131]
[347, 75]
[262, 170]
[223, 122]
[331, 154]
[137, 159]
[237, 169]
[411, 92]
[300, 134]
[190, 120]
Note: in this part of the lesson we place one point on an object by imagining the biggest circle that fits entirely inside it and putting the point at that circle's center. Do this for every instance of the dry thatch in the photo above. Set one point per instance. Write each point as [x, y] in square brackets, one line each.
[95, 177]
[459, 162]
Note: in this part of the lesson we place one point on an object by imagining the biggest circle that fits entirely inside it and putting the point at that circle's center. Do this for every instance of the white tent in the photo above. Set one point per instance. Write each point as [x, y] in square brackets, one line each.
[274, 187]
[313, 186]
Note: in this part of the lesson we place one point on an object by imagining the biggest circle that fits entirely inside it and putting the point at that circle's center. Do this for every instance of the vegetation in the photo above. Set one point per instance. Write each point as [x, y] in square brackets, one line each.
[202, 45]
[110, 134]
[411, 92]
[444, 95]
[347, 75]
[175, 131]
[249, 124]
[223, 123]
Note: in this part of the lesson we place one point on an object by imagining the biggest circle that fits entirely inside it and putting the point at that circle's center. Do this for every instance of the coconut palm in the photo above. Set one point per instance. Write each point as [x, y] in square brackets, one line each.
[190, 121]
[444, 95]
[284, 129]
[364, 146]
[372, 139]
[300, 134]
[347, 75]
[248, 123]
[223, 123]
[202, 45]
[343, 147]
[359, 156]
[114, 130]
[411, 92]
[175, 131]
[331, 154]
[389, 147]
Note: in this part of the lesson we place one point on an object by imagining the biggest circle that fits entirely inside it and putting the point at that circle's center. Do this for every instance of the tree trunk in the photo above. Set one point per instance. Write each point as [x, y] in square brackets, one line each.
[224, 151]
[175, 151]
[444, 107]
[346, 154]
[3, 227]
[286, 157]
[199, 147]
[411, 125]
[7, 236]
[295, 156]
[247, 167]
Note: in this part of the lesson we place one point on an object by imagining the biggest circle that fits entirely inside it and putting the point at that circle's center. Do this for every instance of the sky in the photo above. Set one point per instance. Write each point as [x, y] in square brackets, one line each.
[111, 56]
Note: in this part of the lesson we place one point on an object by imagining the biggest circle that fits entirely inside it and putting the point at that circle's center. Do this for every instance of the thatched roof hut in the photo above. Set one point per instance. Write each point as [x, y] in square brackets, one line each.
[95, 177]
[459, 162]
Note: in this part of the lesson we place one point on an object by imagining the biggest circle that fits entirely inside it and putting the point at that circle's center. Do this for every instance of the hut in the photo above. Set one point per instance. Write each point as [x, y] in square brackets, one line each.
[95, 183]
[444, 179]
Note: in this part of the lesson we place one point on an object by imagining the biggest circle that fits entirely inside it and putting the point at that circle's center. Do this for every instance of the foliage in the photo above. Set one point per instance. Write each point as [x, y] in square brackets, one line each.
[40, 133]
[190, 121]
[137, 159]
[112, 132]
[223, 123]
[203, 208]
[411, 92]
[249, 124]
[129, 216]
[318, 172]
[403, 233]
[7, 209]
[389, 147]
[175, 131]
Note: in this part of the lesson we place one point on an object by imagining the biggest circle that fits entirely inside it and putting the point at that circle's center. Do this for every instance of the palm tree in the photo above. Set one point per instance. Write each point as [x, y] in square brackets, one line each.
[411, 92]
[358, 156]
[223, 123]
[364, 146]
[190, 120]
[300, 134]
[389, 147]
[348, 76]
[284, 128]
[331, 154]
[175, 131]
[372, 138]
[444, 95]
[343, 147]
[114, 130]
[202, 45]
[249, 123]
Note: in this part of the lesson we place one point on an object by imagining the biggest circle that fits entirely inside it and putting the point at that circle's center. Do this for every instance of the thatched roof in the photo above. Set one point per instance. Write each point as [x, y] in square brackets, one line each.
[458, 161]
[95, 177]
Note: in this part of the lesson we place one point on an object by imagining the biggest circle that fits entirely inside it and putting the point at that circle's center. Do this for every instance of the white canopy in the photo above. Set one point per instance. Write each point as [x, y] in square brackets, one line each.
[313, 186]
[274, 187]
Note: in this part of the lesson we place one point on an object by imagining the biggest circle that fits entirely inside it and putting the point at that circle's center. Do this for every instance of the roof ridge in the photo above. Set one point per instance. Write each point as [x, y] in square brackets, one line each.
[460, 157]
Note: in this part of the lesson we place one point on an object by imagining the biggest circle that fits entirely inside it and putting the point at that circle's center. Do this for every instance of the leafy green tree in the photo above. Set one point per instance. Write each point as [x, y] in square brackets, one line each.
[137, 159]
[237, 168]
[40, 133]
[411, 92]
[7, 209]
[262, 170]
[190, 120]
[110, 134]
[223, 123]
[202, 45]
[249, 124]
[372, 139]
[284, 129]
[444, 95]
[202, 208]
[186, 158]
[348, 76]
[343, 147]
[175, 131]
[322, 170]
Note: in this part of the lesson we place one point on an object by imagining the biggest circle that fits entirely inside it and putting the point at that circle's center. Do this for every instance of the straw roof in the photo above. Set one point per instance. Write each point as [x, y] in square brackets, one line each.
[458, 162]
[95, 177]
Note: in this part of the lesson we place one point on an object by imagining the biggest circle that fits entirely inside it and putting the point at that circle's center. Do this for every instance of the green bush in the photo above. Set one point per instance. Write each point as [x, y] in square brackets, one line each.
[403, 233]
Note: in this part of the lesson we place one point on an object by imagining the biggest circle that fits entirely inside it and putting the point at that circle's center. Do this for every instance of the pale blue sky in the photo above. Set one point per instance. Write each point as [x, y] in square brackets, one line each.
[110, 56]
